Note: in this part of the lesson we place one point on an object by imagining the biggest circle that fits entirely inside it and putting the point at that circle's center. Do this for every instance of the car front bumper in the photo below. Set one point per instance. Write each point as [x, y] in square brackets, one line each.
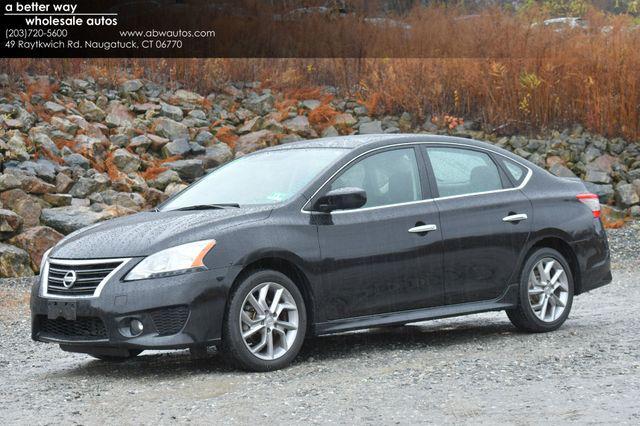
[176, 312]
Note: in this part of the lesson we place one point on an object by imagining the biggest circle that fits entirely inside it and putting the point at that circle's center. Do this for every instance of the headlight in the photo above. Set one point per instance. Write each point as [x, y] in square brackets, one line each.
[172, 261]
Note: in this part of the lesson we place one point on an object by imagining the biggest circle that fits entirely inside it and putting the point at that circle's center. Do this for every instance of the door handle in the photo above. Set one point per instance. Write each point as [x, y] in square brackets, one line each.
[422, 228]
[515, 217]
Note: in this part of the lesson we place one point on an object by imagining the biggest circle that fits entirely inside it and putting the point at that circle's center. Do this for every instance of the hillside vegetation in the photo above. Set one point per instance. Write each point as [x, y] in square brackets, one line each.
[507, 70]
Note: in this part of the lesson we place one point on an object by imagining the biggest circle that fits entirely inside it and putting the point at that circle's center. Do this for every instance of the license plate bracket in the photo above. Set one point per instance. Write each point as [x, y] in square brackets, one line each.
[66, 310]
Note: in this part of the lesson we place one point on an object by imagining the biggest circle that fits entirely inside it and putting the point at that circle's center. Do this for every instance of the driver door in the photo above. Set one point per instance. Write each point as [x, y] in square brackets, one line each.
[374, 260]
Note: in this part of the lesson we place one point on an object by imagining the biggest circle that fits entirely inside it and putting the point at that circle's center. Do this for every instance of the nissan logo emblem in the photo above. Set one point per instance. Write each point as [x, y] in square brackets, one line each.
[69, 279]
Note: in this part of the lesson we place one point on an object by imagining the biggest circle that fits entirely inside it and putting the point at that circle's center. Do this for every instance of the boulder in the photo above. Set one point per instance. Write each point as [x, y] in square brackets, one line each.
[170, 129]
[345, 120]
[53, 108]
[597, 176]
[636, 185]
[187, 169]
[86, 186]
[141, 141]
[179, 147]
[9, 181]
[80, 202]
[145, 107]
[14, 262]
[165, 178]
[58, 200]
[216, 155]
[13, 123]
[34, 185]
[604, 163]
[43, 141]
[300, 125]
[157, 142]
[91, 111]
[125, 161]
[174, 188]
[172, 112]
[370, 128]
[119, 116]
[251, 125]
[24, 205]
[205, 138]
[154, 196]
[129, 200]
[255, 141]
[131, 86]
[76, 160]
[36, 241]
[71, 218]
[561, 170]
[260, 105]
[64, 125]
[10, 224]
[311, 104]
[63, 183]
[42, 168]
[197, 114]
[626, 195]
[184, 97]
[17, 148]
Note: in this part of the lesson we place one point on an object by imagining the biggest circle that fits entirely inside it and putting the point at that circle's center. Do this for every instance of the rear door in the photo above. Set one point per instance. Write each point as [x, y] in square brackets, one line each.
[374, 258]
[485, 221]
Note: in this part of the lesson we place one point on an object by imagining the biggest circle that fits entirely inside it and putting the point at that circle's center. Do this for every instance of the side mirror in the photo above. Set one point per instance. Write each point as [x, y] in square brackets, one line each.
[341, 199]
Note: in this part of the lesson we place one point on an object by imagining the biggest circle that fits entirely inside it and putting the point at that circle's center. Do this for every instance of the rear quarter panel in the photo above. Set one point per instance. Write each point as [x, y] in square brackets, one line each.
[557, 213]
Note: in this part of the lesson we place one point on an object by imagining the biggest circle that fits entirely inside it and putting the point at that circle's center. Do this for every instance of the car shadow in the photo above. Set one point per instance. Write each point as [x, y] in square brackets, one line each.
[165, 365]
[408, 337]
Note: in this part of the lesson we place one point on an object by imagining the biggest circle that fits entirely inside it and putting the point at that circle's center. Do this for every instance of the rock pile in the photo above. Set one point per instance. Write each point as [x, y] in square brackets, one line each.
[79, 151]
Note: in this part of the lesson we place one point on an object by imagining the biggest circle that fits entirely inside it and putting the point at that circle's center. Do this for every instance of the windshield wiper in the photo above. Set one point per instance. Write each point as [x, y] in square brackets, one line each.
[208, 206]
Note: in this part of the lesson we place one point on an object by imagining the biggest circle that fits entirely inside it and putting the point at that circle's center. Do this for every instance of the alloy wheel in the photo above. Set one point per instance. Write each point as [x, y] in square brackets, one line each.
[269, 321]
[548, 289]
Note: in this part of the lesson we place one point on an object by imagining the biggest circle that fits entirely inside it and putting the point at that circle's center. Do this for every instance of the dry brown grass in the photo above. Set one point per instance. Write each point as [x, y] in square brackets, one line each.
[495, 67]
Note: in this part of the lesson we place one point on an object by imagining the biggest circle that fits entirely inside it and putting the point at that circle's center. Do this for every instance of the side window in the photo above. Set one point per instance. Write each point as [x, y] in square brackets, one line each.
[516, 172]
[463, 171]
[389, 177]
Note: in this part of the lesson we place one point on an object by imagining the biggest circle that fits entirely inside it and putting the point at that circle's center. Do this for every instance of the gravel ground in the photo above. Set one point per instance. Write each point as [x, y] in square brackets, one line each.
[474, 369]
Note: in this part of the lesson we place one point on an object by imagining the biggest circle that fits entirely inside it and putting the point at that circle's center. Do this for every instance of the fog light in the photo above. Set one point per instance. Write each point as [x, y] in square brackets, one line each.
[136, 327]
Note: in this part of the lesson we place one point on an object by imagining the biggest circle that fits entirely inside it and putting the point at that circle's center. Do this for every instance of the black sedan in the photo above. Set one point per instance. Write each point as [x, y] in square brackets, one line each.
[326, 236]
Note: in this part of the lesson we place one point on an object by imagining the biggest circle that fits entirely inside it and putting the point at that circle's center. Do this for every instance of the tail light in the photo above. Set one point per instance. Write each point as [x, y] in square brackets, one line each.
[592, 201]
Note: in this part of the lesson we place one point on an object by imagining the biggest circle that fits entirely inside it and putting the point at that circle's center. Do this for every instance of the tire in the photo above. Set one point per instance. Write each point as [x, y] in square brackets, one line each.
[253, 351]
[531, 314]
[115, 358]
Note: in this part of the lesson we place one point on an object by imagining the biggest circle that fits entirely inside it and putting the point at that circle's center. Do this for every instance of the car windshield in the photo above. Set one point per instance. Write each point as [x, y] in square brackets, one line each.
[267, 177]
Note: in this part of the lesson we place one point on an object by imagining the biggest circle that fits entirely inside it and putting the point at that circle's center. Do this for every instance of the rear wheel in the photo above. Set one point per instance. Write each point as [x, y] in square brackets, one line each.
[265, 322]
[545, 294]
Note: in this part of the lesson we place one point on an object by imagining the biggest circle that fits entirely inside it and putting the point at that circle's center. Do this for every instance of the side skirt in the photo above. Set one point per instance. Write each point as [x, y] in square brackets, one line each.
[508, 299]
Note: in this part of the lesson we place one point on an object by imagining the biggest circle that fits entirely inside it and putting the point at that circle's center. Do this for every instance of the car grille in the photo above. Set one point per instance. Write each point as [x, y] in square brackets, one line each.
[85, 328]
[170, 320]
[88, 277]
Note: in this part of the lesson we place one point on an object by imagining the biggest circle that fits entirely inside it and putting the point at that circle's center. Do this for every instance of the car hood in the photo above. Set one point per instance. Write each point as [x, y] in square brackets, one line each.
[145, 233]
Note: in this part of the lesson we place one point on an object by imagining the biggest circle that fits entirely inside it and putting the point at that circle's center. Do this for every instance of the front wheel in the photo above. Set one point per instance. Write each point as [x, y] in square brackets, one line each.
[545, 293]
[265, 322]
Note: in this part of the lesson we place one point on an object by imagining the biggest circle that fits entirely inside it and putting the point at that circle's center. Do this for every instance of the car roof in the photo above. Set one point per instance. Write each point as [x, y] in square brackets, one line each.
[360, 143]
[365, 141]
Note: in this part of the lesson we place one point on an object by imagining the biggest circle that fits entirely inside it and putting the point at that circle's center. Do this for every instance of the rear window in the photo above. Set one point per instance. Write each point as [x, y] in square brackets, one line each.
[463, 171]
[516, 172]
